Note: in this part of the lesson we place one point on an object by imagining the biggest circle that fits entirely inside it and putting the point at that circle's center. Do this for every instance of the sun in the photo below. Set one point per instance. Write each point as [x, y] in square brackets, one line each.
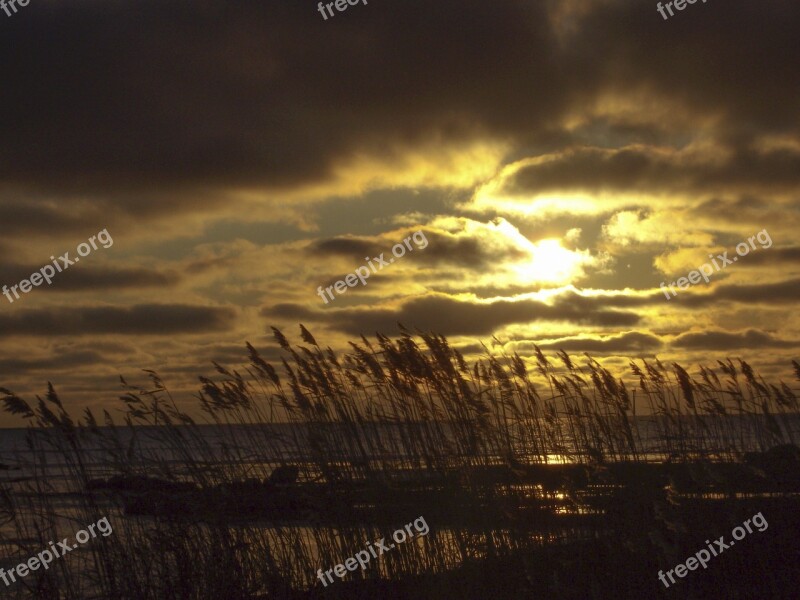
[551, 263]
[545, 261]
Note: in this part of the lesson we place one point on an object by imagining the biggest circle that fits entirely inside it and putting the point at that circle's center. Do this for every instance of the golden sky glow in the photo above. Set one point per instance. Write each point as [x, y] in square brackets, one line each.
[563, 159]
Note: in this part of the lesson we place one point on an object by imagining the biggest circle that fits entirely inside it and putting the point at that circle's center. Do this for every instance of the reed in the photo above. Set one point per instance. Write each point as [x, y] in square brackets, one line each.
[362, 421]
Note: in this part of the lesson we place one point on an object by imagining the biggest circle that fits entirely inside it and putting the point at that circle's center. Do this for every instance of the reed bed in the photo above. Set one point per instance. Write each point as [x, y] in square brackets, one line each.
[385, 410]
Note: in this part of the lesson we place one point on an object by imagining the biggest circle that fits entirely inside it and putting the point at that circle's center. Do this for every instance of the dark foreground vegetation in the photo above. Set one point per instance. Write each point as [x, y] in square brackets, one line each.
[538, 481]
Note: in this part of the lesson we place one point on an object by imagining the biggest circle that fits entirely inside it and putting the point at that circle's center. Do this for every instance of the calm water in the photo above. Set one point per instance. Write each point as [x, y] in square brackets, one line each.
[251, 451]
[249, 445]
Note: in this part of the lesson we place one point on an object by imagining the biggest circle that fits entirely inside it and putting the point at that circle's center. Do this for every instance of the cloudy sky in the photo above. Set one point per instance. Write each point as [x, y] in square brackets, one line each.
[563, 158]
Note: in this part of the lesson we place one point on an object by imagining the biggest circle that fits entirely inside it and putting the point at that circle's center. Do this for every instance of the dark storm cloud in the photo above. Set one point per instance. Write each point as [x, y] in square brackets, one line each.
[150, 110]
[758, 209]
[769, 293]
[451, 284]
[206, 264]
[698, 59]
[142, 319]
[453, 317]
[775, 256]
[241, 101]
[353, 248]
[736, 206]
[24, 216]
[442, 248]
[597, 309]
[630, 342]
[646, 169]
[597, 301]
[699, 296]
[91, 278]
[722, 340]
[467, 252]
[287, 310]
[783, 292]
[13, 366]
[385, 282]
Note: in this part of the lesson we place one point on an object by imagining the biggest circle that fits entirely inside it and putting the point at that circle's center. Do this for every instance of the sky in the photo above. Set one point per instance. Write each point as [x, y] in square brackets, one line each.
[561, 160]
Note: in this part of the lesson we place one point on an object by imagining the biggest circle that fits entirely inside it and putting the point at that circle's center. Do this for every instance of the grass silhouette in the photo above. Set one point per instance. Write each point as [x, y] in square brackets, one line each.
[556, 479]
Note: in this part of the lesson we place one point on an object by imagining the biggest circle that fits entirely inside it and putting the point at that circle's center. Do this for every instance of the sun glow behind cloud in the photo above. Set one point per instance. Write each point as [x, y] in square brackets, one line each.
[553, 264]
[490, 198]
[548, 261]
